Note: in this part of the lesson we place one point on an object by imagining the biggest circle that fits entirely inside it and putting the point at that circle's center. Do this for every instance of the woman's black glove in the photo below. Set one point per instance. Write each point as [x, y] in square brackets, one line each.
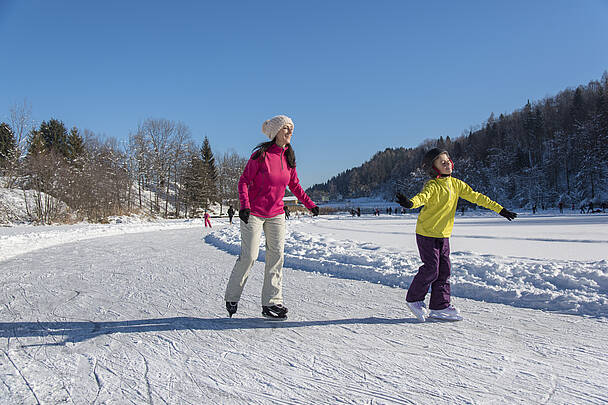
[244, 214]
[315, 211]
[404, 201]
[508, 214]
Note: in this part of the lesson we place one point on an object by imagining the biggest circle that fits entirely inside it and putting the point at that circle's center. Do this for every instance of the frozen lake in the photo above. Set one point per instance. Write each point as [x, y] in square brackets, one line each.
[133, 313]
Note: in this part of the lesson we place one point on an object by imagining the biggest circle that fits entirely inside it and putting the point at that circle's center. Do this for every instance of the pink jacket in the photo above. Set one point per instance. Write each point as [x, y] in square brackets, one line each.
[262, 184]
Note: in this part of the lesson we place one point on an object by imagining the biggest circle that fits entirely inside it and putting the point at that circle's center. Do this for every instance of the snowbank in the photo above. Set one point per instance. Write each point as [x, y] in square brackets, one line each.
[567, 286]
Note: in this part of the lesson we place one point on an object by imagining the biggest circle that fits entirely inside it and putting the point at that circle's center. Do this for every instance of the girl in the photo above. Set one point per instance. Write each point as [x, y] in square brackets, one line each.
[270, 169]
[433, 229]
[207, 221]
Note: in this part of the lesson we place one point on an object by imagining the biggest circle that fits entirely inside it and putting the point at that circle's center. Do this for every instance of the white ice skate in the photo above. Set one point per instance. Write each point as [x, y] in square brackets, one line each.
[450, 313]
[418, 308]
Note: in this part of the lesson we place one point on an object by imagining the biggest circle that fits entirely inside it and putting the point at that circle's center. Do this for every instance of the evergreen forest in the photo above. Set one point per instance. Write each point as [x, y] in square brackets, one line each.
[548, 152]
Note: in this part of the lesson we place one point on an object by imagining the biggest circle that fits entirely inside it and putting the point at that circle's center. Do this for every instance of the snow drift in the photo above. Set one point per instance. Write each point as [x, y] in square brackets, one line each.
[566, 286]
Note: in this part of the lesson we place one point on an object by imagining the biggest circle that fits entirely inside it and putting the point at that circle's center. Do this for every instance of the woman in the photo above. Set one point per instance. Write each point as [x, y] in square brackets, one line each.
[271, 168]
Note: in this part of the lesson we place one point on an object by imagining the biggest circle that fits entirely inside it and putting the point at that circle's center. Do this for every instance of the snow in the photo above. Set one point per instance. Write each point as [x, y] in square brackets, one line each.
[133, 312]
[27, 238]
[14, 205]
[569, 286]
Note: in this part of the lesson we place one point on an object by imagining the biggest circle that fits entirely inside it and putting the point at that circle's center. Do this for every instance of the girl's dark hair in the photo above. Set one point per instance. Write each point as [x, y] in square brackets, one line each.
[261, 149]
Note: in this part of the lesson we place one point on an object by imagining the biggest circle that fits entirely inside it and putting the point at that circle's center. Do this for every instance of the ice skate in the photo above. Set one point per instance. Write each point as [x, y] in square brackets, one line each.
[418, 308]
[277, 312]
[450, 313]
[231, 307]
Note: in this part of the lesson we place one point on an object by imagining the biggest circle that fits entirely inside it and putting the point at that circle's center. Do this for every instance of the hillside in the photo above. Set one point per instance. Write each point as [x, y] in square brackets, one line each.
[544, 153]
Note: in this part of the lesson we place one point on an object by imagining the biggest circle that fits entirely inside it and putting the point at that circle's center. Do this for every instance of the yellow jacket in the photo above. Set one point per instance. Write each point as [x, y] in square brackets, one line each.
[439, 197]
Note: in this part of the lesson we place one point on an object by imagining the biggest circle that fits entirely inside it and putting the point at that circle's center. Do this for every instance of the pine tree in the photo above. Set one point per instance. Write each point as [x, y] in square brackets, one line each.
[602, 107]
[529, 128]
[208, 174]
[8, 144]
[577, 111]
[36, 143]
[51, 136]
[193, 179]
[75, 145]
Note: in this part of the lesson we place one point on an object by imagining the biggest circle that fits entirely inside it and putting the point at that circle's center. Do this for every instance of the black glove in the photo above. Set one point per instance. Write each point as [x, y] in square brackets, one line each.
[315, 211]
[244, 214]
[508, 214]
[404, 201]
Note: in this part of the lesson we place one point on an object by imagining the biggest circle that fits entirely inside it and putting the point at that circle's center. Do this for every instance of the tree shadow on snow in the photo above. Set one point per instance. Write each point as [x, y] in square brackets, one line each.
[74, 332]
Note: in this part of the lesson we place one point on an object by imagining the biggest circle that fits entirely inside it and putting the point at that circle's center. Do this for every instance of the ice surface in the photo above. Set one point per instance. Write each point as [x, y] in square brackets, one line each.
[134, 313]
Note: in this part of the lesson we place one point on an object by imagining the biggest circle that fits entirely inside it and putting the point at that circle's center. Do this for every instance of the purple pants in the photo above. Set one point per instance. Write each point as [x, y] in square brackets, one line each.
[434, 272]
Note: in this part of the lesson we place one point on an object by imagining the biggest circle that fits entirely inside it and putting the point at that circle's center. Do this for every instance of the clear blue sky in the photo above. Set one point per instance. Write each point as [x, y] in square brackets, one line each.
[356, 76]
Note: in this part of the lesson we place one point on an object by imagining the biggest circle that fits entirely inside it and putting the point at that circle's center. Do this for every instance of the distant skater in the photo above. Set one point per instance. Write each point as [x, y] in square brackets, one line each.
[271, 168]
[207, 221]
[230, 214]
[439, 197]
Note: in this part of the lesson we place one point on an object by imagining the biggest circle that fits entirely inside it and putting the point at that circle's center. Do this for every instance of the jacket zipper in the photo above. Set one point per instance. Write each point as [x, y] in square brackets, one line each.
[449, 189]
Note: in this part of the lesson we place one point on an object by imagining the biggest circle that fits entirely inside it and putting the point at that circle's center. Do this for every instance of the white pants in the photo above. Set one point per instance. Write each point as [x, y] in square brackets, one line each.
[274, 229]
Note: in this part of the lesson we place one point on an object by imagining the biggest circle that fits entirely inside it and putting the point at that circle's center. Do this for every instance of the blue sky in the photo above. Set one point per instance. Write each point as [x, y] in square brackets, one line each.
[355, 76]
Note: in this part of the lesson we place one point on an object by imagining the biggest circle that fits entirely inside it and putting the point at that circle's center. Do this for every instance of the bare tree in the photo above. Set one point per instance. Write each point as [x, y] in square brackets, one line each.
[229, 171]
[181, 144]
[159, 152]
[44, 175]
[159, 133]
[139, 150]
[21, 122]
[20, 118]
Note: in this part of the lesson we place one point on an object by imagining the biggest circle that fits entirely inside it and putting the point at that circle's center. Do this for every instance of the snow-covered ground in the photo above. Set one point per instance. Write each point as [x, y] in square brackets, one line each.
[133, 313]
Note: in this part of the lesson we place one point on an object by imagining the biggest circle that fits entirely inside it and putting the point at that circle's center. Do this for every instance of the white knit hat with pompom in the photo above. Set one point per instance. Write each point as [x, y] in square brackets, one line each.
[272, 126]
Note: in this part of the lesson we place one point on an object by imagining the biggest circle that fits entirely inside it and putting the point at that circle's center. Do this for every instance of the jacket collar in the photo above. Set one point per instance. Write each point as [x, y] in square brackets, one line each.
[276, 148]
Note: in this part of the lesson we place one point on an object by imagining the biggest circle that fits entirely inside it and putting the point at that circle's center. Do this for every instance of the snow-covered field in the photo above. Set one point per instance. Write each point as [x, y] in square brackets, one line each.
[134, 313]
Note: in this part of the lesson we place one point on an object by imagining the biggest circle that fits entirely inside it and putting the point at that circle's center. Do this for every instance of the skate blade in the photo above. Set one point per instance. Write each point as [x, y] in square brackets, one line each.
[420, 319]
[446, 318]
[272, 318]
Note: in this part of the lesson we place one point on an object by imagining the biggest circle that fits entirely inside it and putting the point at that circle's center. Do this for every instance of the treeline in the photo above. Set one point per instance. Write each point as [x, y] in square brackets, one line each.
[73, 174]
[550, 151]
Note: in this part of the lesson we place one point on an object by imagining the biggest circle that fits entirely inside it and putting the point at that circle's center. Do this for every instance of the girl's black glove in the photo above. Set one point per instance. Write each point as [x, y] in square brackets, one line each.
[404, 201]
[244, 214]
[508, 214]
[315, 211]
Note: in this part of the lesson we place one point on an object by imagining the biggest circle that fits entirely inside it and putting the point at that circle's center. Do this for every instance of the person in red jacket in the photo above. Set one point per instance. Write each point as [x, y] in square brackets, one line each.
[207, 221]
[271, 168]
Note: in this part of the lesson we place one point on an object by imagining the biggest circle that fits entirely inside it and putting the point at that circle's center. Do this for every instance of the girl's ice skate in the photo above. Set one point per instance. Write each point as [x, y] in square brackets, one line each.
[418, 308]
[450, 313]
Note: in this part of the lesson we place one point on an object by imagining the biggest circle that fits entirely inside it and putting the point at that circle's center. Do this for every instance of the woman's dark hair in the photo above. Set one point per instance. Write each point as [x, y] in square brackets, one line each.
[262, 148]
